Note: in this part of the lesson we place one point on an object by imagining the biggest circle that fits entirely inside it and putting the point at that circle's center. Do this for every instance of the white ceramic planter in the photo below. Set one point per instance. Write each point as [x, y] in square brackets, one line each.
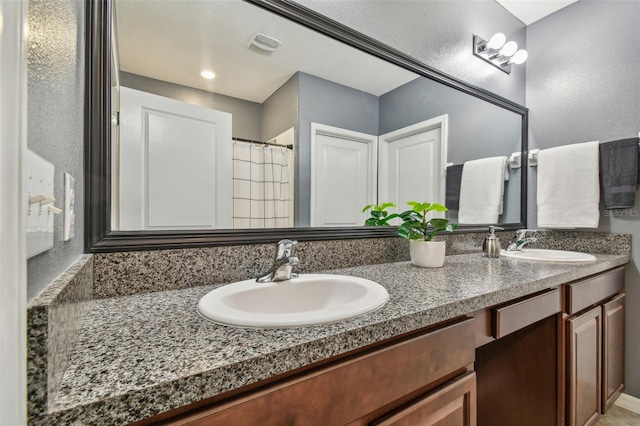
[427, 254]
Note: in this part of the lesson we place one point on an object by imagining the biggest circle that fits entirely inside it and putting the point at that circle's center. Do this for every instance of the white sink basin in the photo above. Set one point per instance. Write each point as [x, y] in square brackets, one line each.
[309, 299]
[542, 255]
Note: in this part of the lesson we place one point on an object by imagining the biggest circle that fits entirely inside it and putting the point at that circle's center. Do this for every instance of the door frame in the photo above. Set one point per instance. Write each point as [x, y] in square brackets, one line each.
[441, 122]
[323, 129]
[13, 213]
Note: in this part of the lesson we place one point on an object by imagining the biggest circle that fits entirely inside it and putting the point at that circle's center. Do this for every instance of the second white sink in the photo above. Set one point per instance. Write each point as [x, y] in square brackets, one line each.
[309, 299]
[542, 255]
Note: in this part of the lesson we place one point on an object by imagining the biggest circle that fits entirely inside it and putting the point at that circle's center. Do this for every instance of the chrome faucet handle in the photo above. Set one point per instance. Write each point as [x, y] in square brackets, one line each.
[521, 240]
[283, 261]
[284, 248]
[521, 233]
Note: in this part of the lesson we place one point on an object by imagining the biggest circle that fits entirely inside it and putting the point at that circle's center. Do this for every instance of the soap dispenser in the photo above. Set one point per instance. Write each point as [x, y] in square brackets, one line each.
[491, 244]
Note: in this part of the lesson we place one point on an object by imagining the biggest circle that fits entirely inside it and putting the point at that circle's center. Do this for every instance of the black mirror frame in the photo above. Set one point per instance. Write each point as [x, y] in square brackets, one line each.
[98, 235]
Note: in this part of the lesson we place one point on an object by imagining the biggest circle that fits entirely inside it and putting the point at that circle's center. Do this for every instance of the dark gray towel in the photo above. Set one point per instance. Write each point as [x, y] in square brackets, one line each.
[454, 176]
[619, 172]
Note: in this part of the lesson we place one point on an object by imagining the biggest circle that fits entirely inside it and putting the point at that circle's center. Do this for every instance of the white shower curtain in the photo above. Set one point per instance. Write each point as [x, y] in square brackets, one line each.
[261, 186]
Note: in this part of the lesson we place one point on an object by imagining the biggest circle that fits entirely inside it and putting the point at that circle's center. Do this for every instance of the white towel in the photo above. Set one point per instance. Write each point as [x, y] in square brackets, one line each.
[482, 190]
[569, 186]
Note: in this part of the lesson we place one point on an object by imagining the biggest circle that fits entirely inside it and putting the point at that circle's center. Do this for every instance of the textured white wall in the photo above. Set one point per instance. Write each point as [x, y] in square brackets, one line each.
[55, 119]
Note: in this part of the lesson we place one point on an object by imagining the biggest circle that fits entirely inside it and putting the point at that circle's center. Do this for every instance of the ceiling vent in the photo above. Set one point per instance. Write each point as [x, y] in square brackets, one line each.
[264, 44]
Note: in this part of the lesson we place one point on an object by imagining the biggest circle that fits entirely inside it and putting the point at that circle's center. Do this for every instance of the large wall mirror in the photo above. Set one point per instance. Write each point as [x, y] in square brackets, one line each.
[303, 124]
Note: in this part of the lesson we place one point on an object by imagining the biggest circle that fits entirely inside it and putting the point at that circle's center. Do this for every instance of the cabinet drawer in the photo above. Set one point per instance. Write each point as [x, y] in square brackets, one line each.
[582, 294]
[451, 404]
[349, 390]
[516, 316]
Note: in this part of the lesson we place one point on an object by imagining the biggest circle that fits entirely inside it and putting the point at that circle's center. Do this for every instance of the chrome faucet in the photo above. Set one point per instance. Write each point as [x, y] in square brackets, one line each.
[282, 263]
[521, 240]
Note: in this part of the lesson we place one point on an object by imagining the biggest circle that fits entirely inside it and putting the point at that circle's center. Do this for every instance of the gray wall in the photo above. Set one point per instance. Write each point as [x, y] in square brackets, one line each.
[322, 101]
[477, 129]
[247, 116]
[55, 120]
[438, 33]
[583, 84]
[280, 110]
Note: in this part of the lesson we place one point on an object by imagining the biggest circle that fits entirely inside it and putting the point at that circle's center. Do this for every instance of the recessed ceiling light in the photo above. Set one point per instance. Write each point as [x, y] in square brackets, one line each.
[208, 74]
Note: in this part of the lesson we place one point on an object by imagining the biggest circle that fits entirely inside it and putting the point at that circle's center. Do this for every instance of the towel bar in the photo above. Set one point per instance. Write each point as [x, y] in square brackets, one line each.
[515, 161]
[533, 157]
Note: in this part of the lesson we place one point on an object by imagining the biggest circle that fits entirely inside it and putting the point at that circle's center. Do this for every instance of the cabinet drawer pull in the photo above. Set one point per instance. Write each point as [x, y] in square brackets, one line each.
[516, 316]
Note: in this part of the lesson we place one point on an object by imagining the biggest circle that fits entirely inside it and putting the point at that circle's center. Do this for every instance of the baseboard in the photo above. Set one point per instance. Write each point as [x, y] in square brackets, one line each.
[628, 402]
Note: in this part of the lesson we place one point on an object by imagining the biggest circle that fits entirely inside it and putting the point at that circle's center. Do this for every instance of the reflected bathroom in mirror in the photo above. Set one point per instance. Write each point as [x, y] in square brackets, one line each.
[295, 129]
[305, 122]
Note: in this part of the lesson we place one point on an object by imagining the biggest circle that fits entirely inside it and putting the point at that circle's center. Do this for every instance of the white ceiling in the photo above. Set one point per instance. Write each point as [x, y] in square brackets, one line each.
[529, 11]
[174, 40]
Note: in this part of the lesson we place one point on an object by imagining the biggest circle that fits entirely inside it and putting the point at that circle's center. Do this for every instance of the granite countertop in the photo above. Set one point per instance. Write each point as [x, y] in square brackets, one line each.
[141, 355]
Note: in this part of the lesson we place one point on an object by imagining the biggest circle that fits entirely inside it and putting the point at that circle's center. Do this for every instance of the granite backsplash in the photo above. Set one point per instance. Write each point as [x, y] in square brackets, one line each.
[127, 273]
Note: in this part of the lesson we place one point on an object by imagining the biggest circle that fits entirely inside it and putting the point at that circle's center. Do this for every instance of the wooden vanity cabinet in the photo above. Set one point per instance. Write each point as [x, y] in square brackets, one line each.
[594, 346]
[425, 376]
[516, 361]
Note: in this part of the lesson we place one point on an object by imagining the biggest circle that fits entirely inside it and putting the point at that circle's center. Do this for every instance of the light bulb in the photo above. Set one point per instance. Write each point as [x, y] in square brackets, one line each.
[497, 41]
[208, 74]
[509, 49]
[519, 57]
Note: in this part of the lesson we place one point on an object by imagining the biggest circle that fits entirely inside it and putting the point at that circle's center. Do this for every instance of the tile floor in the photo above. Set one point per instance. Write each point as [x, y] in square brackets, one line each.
[618, 416]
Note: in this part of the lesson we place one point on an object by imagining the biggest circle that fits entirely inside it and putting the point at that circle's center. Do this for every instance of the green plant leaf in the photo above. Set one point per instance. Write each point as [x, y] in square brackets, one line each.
[409, 216]
[431, 235]
[391, 216]
[408, 231]
[421, 207]
[437, 207]
[385, 206]
[367, 207]
[439, 224]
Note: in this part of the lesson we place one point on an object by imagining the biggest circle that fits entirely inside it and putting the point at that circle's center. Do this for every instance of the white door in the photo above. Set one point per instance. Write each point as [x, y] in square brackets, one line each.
[175, 164]
[343, 175]
[413, 162]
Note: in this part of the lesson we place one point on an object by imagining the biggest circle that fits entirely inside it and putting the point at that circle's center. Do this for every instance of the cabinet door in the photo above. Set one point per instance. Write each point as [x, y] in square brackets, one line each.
[584, 367]
[613, 351]
[454, 404]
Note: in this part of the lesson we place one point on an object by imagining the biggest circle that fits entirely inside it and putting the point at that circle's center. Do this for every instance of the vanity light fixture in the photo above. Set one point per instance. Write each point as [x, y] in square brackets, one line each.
[208, 74]
[498, 52]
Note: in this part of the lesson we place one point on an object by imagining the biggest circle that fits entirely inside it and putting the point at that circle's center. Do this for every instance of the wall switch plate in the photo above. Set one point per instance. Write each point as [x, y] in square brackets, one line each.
[69, 204]
[40, 217]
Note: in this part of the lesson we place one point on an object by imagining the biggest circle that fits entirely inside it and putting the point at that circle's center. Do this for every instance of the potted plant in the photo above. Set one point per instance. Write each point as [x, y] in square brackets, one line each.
[420, 232]
[379, 215]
